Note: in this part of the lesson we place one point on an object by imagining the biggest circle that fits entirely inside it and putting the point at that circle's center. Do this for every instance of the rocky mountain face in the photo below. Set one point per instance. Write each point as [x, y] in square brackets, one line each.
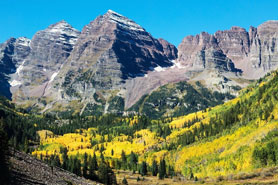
[113, 62]
[49, 49]
[253, 53]
[109, 50]
[203, 52]
[263, 47]
[12, 55]
[222, 58]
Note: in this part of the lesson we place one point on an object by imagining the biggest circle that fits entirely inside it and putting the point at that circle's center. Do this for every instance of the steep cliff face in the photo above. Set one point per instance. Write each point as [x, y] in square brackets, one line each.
[205, 60]
[12, 55]
[203, 52]
[254, 53]
[234, 43]
[263, 52]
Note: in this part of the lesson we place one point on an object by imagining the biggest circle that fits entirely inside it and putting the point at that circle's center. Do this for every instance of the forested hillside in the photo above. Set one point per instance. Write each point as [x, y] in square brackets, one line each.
[177, 99]
[229, 141]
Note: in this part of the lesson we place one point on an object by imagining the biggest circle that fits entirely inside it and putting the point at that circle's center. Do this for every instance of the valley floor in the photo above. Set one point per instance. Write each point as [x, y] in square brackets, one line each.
[269, 176]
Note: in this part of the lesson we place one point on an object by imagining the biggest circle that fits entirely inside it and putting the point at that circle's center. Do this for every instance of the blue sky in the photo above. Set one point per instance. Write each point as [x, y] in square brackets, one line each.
[168, 19]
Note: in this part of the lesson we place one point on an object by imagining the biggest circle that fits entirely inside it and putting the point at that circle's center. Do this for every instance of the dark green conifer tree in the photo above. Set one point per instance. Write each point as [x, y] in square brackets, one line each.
[143, 168]
[133, 162]
[85, 165]
[106, 175]
[4, 151]
[154, 168]
[124, 160]
[162, 169]
[125, 181]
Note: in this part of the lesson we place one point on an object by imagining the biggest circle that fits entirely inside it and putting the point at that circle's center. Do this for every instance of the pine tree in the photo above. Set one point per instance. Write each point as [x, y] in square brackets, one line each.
[92, 168]
[102, 157]
[94, 162]
[57, 161]
[133, 162]
[65, 159]
[154, 168]
[162, 169]
[118, 164]
[124, 160]
[4, 150]
[75, 166]
[124, 181]
[78, 167]
[171, 171]
[102, 148]
[191, 177]
[106, 175]
[26, 145]
[85, 165]
[143, 168]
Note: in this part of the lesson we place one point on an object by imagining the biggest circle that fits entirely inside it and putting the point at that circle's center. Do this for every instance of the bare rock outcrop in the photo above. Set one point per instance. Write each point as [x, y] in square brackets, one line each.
[253, 52]
[201, 52]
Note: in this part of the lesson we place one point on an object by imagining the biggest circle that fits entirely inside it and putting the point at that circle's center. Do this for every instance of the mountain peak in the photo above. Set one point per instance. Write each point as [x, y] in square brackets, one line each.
[113, 12]
[23, 41]
[122, 21]
[62, 27]
[268, 27]
[270, 23]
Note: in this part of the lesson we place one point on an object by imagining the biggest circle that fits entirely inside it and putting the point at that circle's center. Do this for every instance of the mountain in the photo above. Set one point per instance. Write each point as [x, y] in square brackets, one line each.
[49, 49]
[251, 54]
[109, 50]
[203, 59]
[113, 63]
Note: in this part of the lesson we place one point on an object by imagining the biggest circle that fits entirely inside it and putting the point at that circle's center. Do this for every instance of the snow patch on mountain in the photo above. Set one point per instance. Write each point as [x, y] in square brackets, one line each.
[53, 76]
[23, 41]
[159, 69]
[63, 27]
[123, 21]
[20, 67]
[15, 83]
[177, 65]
